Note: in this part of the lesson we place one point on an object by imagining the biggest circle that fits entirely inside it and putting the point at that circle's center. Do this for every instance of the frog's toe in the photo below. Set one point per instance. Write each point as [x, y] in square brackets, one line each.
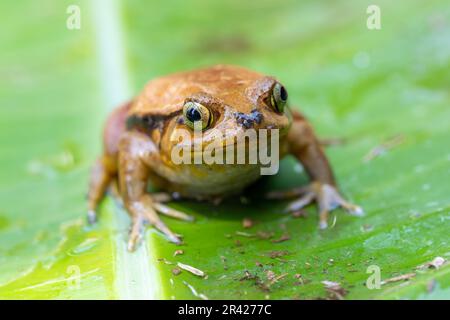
[339, 201]
[162, 197]
[92, 217]
[170, 212]
[136, 233]
[353, 209]
[301, 202]
[328, 199]
[154, 220]
[138, 228]
[326, 196]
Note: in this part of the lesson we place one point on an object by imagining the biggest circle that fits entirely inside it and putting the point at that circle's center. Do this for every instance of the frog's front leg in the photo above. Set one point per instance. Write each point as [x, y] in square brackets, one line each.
[303, 144]
[136, 151]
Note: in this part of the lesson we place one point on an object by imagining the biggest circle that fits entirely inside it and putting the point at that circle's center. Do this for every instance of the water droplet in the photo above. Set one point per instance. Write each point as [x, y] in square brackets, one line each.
[419, 168]
[64, 160]
[432, 204]
[426, 186]
[361, 60]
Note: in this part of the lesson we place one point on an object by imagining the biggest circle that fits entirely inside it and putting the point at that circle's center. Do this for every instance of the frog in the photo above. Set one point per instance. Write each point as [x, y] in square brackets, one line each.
[138, 144]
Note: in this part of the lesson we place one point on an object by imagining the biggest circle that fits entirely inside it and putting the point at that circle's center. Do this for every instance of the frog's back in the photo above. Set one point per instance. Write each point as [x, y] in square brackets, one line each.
[166, 94]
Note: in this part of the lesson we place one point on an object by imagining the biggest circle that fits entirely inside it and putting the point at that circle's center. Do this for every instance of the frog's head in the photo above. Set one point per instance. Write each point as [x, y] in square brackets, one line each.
[224, 102]
[227, 102]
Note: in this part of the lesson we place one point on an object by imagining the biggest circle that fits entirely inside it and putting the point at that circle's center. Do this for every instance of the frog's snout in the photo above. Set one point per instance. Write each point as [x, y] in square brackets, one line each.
[249, 120]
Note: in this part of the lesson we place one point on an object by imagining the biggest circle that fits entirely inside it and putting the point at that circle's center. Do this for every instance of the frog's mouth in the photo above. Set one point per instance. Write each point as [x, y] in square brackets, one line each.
[236, 146]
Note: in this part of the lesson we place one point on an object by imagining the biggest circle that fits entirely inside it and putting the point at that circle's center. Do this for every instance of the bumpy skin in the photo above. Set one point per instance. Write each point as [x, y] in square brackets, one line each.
[138, 144]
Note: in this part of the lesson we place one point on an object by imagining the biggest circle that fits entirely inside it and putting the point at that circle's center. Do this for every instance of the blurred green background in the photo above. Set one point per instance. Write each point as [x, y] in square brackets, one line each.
[365, 86]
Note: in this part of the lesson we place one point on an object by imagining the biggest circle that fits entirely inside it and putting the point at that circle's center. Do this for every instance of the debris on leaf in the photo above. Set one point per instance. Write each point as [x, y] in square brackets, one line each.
[259, 264]
[384, 147]
[333, 224]
[238, 243]
[436, 263]
[276, 254]
[301, 281]
[270, 275]
[191, 269]
[264, 234]
[176, 271]
[178, 252]
[284, 237]
[277, 278]
[247, 276]
[194, 292]
[334, 290]
[244, 234]
[164, 260]
[258, 282]
[224, 262]
[399, 278]
[247, 223]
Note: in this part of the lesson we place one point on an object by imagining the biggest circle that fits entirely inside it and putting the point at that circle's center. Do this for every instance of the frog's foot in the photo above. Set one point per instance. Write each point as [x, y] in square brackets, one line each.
[326, 196]
[92, 216]
[146, 213]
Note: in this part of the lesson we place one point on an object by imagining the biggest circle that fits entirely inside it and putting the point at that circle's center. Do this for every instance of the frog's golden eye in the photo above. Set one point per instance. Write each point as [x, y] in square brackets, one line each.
[196, 112]
[279, 97]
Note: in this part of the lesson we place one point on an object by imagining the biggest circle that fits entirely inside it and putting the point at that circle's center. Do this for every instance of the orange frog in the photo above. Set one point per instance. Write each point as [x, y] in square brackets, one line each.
[139, 140]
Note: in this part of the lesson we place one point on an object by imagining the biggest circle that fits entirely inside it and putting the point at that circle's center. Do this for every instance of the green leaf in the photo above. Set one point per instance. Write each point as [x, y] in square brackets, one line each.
[366, 86]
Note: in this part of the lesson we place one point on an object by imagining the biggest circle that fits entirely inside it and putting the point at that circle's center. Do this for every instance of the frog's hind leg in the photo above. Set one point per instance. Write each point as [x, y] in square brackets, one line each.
[114, 191]
[102, 175]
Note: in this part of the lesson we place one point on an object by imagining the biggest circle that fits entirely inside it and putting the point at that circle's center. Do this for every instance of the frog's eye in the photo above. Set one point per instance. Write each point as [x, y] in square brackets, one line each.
[196, 112]
[278, 98]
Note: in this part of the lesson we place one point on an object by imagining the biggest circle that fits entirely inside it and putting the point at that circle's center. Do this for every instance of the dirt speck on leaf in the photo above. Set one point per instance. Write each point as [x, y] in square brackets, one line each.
[399, 278]
[247, 223]
[178, 252]
[284, 237]
[334, 289]
[277, 254]
[436, 263]
[191, 269]
[384, 147]
[176, 271]
[224, 262]
[264, 234]
[165, 261]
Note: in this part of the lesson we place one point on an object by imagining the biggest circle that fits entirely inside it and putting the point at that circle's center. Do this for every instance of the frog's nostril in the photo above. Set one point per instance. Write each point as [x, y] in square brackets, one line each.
[257, 116]
[249, 120]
